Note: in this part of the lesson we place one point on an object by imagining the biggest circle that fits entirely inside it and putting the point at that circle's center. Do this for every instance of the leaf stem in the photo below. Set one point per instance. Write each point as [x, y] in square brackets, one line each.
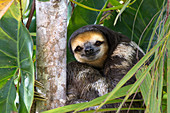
[31, 15]
[167, 11]
[21, 10]
[106, 9]
[19, 79]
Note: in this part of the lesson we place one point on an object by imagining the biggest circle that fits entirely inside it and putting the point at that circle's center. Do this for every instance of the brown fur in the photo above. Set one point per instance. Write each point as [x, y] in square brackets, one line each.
[118, 54]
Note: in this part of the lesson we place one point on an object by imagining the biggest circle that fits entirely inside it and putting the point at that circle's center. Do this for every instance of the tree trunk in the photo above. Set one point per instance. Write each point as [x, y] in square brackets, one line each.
[51, 52]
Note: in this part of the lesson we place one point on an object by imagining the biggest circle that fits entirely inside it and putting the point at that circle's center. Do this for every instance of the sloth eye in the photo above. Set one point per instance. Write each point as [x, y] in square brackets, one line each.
[78, 49]
[98, 43]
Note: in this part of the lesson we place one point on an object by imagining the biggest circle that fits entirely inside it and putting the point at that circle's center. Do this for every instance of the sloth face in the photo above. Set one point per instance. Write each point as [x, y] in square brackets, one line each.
[90, 47]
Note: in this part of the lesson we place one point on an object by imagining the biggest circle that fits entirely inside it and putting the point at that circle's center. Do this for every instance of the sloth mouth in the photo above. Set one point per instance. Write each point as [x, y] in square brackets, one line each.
[91, 56]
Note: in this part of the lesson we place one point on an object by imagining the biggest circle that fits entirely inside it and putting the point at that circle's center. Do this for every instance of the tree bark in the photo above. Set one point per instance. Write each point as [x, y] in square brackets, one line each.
[51, 52]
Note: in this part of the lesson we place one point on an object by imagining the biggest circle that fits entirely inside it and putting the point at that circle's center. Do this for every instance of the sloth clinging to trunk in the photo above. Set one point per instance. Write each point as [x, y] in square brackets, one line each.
[103, 58]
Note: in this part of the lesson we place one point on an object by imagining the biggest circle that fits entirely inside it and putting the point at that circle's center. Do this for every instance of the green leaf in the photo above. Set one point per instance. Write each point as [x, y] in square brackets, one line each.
[160, 83]
[168, 76]
[44, 0]
[114, 2]
[135, 19]
[120, 93]
[80, 106]
[121, 11]
[151, 87]
[16, 55]
[145, 84]
[7, 97]
[112, 109]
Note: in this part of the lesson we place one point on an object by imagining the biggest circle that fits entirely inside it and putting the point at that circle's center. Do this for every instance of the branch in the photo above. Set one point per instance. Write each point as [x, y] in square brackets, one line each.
[31, 15]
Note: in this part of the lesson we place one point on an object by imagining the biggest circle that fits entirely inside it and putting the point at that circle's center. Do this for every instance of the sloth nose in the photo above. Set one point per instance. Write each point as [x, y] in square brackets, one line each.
[89, 50]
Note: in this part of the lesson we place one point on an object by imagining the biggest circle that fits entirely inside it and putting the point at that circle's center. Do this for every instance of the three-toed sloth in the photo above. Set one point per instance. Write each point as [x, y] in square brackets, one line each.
[103, 58]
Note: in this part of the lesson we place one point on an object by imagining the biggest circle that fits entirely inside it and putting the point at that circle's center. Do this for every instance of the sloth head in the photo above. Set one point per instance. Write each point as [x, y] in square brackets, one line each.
[92, 44]
[90, 47]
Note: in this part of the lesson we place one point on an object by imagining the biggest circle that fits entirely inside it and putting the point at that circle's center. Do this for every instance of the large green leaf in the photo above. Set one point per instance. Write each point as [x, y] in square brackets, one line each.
[16, 58]
[135, 19]
[7, 97]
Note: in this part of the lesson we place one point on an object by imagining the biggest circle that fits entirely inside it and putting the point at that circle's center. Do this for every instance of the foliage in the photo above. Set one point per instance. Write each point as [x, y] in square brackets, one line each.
[16, 65]
[144, 21]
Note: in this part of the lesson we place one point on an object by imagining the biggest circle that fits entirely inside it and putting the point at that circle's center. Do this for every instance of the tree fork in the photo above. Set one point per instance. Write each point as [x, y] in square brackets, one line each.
[51, 52]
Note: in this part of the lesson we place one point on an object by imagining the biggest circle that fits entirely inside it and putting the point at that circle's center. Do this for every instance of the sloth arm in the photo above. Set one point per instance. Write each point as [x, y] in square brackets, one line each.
[114, 72]
[122, 59]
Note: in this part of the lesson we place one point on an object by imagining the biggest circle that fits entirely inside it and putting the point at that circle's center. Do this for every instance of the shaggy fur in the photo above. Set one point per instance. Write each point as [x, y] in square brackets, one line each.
[103, 58]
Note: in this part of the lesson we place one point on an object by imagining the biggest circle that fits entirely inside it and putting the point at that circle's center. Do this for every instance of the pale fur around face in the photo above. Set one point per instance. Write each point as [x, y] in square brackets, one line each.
[91, 37]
